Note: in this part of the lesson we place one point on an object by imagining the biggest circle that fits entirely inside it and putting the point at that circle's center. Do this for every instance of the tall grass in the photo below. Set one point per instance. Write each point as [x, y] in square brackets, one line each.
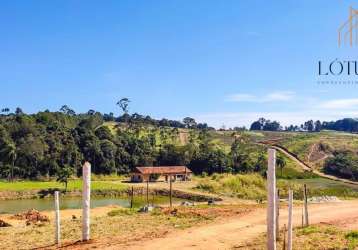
[250, 186]
[253, 186]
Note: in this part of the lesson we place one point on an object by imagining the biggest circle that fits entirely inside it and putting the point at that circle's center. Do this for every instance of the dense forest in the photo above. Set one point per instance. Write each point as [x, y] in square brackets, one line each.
[54, 144]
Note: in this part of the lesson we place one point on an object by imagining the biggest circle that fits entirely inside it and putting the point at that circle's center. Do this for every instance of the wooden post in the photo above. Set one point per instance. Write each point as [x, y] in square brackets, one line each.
[132, 194]
[277, 214]
[302, 218]
[86, 201]
[170, 191]
[290, 207]
[148, 191]
[306, 205]
[271, 200]
[284, 237]
[57, 219]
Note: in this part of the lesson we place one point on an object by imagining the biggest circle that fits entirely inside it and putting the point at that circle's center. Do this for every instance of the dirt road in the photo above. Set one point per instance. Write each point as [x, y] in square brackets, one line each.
[237, 231]
[305, 166]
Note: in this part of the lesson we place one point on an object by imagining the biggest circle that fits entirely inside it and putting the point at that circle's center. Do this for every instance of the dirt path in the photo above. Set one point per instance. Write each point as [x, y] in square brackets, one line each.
[236, 231]
[304, 166]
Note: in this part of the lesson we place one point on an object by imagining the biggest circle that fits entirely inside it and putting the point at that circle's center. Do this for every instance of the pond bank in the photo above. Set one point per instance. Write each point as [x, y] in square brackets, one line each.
[138, 191]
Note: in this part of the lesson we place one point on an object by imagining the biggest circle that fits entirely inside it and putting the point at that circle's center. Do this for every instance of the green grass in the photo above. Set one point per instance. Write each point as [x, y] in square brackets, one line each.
[253, 186]
[72, 185]
[121, 212]
[322, 186]
[292, 170]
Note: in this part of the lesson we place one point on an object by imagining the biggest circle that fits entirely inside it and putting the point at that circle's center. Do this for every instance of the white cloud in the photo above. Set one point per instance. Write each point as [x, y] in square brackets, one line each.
[271, 97]
[340, 104]
[280, 96]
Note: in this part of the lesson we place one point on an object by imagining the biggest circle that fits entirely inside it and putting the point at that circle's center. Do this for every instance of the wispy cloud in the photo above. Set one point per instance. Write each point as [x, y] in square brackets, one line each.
[271, 97]
[279, 96]
[340, 104]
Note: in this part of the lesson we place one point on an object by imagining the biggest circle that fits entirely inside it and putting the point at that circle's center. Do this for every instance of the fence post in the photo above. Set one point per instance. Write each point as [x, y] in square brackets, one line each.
[306, 204]
[284, 237]
[277, 214]
[132, 193]
[290, 207]
[302, 213]
[86, 201]
[271, 200]
[148, 191]
[171, 192]
[57, 219]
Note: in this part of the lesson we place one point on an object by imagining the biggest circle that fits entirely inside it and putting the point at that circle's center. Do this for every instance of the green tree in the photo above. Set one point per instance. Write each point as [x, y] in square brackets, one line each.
[124, 104]
[8, 151]
[63, 175]
[281, 163]
[189, 122]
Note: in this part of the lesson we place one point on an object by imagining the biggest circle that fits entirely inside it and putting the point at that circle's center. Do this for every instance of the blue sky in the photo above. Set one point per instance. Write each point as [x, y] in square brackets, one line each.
[221, 62]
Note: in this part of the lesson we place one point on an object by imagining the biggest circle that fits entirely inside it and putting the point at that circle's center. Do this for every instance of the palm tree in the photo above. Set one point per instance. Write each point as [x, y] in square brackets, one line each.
[281, 163]
[9, 152]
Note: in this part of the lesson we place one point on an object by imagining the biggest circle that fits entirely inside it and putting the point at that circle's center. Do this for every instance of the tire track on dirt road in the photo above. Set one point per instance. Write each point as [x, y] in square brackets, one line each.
[235, 232]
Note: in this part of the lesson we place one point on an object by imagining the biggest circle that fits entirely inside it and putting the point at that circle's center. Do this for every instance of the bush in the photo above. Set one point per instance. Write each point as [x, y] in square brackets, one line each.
[343, 164]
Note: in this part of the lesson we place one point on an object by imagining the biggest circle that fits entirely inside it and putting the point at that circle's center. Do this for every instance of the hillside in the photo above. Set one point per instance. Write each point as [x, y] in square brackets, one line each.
[330, 152]
[54, 144]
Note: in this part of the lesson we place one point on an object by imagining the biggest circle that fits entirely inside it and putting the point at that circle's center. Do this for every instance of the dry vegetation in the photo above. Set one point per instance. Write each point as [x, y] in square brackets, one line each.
[117, 226]
[312, 238]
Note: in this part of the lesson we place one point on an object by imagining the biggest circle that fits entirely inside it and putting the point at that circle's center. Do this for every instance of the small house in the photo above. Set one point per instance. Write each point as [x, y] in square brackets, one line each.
[161, 173]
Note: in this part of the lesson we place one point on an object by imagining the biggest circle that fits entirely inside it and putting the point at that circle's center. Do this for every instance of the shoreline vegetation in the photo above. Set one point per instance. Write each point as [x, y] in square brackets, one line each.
[39, 190]
[201, 188]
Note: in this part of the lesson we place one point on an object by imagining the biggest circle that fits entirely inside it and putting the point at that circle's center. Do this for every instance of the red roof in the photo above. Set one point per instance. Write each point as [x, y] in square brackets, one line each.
[163, 170]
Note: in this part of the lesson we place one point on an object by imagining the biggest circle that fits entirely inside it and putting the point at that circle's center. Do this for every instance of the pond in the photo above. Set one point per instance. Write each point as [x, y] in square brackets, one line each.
[16, 206]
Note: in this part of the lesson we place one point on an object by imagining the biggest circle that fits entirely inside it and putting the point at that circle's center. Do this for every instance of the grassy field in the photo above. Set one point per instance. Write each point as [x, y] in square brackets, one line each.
[312, 238]
[72, 185]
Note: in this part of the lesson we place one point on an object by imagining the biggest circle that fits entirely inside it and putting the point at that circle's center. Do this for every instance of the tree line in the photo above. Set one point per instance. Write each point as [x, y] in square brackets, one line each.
[346, 125]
